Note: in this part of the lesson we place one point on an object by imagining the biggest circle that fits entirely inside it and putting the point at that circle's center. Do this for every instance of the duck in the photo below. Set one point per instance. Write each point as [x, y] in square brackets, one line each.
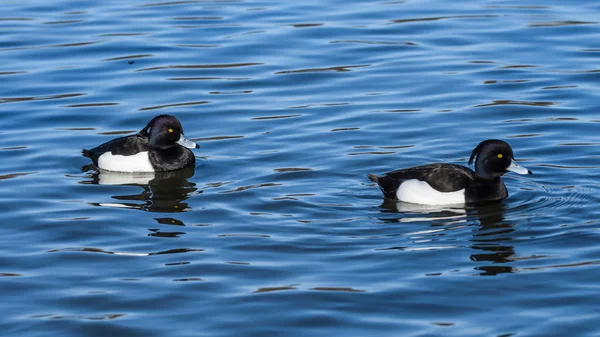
[442, 184]
[159, 147]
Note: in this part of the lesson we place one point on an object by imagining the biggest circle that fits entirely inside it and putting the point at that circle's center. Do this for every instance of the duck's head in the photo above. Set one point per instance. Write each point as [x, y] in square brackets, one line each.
[165, 131]
[493, 158]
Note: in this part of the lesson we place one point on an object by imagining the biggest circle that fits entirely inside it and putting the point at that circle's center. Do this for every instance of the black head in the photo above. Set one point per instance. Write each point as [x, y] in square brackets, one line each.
[493, 158]
[165, 131]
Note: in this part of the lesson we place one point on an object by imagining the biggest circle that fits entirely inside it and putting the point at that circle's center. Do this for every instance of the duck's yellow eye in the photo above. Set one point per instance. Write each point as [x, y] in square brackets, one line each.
[499, 155]
[170, 130]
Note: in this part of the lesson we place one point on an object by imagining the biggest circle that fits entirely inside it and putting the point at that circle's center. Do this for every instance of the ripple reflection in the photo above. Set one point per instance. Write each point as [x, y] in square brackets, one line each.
[489, 241]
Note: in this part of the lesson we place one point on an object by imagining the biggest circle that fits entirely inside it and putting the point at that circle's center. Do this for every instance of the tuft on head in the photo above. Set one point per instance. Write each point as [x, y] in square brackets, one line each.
[146, 130]
[477, 150]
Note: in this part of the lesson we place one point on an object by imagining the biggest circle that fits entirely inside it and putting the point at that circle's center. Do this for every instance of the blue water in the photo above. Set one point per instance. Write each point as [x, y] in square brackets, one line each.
[278, 232]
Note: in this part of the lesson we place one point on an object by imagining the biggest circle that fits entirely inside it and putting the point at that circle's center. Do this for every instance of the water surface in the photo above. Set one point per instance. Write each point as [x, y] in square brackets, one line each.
[278, 232]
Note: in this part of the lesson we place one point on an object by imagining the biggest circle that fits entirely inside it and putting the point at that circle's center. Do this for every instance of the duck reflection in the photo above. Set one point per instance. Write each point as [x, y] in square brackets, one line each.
[417, 212]
[489, 240]
[161, 191]
[492, 239]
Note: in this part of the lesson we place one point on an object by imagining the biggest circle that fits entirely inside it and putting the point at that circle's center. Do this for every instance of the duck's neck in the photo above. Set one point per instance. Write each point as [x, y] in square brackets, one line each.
[487, 190]
[173, 158]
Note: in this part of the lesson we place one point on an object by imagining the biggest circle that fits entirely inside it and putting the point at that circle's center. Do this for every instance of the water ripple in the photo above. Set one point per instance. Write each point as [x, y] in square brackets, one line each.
[98, 250]
[327, 69]
[511, 102]
[202, 66]
[38, 98]
[15, 175]
[128, 57]
[445, 18]
[172, 105]
[80, 317]
[561, 23]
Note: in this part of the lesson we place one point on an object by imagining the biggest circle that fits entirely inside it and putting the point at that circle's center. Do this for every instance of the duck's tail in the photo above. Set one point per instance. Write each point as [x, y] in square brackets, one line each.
[86, 153]
[387, 186]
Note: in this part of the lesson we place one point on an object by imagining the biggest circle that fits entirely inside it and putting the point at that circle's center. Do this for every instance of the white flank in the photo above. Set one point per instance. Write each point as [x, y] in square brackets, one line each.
[419, 192]
[139, 162]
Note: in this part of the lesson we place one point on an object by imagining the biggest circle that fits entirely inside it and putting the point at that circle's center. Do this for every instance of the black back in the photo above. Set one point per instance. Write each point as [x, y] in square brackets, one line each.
[124, 146]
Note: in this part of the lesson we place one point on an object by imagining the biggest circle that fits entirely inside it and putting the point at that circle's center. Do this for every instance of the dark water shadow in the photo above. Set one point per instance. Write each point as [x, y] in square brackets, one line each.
[164, 192]
[490, 240]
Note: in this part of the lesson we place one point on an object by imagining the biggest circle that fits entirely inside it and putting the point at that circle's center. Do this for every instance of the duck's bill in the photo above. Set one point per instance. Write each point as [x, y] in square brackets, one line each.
[516, 168]
[187, 143]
